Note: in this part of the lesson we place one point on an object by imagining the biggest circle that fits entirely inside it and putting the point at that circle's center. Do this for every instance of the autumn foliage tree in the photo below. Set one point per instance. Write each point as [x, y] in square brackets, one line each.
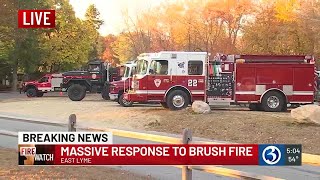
[227, 26]
[282, 27]
[68, 46]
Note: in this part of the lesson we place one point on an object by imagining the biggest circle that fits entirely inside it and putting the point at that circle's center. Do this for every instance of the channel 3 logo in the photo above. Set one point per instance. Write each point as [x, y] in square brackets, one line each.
[271, 155]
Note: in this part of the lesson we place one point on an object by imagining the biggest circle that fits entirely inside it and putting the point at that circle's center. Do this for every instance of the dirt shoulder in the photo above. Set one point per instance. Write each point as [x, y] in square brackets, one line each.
[240, 125]
[10, 170]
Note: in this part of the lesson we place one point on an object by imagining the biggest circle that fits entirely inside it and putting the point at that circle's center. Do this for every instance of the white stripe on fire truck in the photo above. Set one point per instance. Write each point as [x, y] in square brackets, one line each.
[303, 93]
[150, 91]
[245, 92]
[48, 89]
[197, 92]
[162, 92]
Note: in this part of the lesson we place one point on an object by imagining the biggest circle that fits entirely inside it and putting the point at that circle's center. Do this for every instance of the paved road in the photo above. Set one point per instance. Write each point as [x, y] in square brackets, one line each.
[162, 172]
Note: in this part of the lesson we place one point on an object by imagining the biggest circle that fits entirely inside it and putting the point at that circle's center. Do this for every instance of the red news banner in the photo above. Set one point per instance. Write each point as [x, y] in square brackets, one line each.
[156, 154]
[96, 148]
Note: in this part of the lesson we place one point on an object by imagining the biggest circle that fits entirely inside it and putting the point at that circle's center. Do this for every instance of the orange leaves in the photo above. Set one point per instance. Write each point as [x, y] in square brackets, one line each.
[228, 26]
[108, 53]
[286, 10]
[227, 9]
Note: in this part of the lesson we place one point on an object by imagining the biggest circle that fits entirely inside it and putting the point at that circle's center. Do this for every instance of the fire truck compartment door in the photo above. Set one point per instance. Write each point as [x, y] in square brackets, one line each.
[56, 81]
[304, 84]
[245, 83]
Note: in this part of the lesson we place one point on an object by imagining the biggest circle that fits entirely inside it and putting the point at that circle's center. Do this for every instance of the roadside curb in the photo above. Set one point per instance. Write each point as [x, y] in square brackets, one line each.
[310, 159]
[32, 120]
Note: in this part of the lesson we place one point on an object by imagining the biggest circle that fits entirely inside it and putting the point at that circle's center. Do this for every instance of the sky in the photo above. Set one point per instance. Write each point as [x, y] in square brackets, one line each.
[111, 11]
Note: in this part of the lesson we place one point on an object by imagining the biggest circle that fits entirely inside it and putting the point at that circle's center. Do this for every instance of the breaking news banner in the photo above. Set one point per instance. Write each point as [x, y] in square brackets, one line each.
[96, 148]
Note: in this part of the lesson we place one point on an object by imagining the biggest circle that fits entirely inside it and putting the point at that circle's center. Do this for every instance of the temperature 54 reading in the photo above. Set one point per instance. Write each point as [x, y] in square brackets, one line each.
[192, 82]
[293, 158]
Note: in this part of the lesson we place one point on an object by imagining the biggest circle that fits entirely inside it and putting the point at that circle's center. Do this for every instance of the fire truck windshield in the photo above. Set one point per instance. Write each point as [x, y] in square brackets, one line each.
[142, 67]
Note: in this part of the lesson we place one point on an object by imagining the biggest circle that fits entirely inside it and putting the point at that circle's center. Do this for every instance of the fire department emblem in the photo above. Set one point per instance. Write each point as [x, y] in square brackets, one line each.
[94, 76]
[181, 65]
[157, 82]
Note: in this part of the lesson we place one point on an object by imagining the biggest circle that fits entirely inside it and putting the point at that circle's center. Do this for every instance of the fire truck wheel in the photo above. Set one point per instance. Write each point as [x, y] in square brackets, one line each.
[31, 92]
[124, 102]
[164, 104]
[177, 100]
[105, 97]
[273, 102]
[76, 92]
[40, 94]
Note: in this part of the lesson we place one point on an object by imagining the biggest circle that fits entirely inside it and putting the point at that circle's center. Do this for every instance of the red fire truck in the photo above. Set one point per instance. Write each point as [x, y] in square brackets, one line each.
[117, 88]
[48, 83]
[269, 83]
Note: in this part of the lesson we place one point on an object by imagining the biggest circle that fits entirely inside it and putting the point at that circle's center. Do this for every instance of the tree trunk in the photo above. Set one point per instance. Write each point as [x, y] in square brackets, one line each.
[14, 77]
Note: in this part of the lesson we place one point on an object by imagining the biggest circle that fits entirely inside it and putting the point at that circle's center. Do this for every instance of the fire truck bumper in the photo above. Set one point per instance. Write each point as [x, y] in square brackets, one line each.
[135, 97]
[113, 97]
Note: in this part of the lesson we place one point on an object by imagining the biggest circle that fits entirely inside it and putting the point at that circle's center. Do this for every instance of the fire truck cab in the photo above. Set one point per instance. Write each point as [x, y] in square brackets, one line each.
[269, 83]
[174, 79]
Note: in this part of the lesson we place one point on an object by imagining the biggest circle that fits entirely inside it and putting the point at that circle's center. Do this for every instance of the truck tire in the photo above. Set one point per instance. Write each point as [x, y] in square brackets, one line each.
[124, 102]
[164, 105]
[273, 102]
[119, 94]
[31, 92]
[177, 100]
[105, 93]
[40, 94]
[76, 92]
